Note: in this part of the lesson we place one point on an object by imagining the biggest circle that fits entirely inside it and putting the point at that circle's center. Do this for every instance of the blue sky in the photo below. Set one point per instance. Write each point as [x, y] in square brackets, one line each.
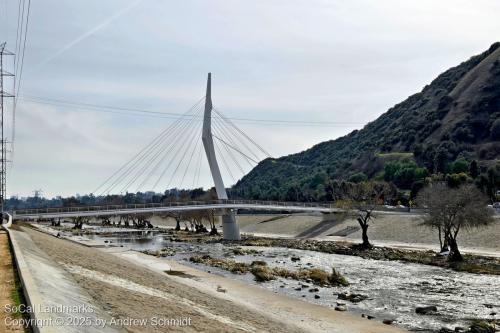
[316, 60]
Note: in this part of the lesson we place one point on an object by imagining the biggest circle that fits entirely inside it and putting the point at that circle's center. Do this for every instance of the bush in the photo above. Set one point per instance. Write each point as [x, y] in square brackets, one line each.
[262, 273]
[337, 279]
[404, 173]
[495, 130]
[358, 177]
[319, 276]
[258, 263]
[456, 179]
[459, 166]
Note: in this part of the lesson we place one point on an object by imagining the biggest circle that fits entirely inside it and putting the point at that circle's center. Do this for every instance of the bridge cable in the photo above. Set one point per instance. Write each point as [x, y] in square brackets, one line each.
[196, 177]
[145, 149]
[163, 153]
[224, 162]
[242, 132]
[164, 150]
[228, 138]
[190, 159]
[147, 164]
[235, 149]
[234, 134]
[171, 160]
[146, 152]
[233, 158]
[182, 158]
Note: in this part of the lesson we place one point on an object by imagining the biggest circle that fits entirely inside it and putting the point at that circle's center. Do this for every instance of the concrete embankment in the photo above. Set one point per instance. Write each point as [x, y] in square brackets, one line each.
[55, 303]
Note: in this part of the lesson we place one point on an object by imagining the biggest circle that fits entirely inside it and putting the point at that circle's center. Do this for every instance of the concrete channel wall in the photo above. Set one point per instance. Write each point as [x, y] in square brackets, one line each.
[30, 291]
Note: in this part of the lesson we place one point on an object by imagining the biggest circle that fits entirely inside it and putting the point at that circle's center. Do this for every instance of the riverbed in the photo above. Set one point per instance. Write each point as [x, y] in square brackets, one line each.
[394, 289]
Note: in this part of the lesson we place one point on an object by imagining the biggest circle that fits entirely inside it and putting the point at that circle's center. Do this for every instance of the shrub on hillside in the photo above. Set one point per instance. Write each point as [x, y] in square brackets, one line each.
[495, 130]
[358, 177]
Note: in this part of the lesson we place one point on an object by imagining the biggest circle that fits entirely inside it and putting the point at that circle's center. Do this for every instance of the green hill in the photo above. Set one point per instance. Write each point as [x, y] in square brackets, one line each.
[442, 129]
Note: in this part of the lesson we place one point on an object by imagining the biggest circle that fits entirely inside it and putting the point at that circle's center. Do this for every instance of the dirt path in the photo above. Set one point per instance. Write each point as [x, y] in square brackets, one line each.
[7, 284]
[126, 291]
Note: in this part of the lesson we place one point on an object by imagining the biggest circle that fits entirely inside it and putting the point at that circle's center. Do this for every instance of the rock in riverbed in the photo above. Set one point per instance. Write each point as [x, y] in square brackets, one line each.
[425, 310]
[341, 308]
[354, 298]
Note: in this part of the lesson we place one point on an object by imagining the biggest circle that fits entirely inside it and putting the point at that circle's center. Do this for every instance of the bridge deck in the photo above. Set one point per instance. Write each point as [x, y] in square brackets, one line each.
[110, 210]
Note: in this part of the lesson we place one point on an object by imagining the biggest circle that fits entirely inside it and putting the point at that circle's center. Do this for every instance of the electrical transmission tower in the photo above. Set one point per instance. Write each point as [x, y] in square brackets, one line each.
[3, 142]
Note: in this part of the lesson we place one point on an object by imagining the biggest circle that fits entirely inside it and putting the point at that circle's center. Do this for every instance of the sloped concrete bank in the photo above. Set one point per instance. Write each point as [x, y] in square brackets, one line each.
[54, 302]
[31, 294]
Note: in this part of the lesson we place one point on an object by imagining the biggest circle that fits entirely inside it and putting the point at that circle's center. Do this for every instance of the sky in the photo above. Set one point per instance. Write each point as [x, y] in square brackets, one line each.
[343, 63]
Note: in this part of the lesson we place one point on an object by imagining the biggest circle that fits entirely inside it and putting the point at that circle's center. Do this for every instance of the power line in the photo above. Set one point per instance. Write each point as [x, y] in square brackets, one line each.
[235, 135]
[234, 159]
[235, 149]
[22, 26]
[219, 129]
[243, 133]
[24, 48]
[3, 147]
[161, 114]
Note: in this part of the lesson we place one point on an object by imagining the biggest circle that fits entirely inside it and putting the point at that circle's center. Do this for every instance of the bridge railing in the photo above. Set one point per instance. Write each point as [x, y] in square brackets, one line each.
[215, 203]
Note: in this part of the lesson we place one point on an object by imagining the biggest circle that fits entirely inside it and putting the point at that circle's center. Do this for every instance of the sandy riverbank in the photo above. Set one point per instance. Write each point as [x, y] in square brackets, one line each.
[127, 286]
[401, 230]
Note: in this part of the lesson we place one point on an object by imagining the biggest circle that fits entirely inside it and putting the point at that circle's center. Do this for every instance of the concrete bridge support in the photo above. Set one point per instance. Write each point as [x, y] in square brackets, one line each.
[230, 229]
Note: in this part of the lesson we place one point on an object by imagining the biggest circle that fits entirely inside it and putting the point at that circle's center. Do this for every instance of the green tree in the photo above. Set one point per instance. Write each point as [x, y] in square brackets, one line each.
[459, 166]
[456, 179]
[473, 169]
[404, 174]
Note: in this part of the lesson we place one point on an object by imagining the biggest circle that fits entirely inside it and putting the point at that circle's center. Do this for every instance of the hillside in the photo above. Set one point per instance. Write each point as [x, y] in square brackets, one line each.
[454, 118]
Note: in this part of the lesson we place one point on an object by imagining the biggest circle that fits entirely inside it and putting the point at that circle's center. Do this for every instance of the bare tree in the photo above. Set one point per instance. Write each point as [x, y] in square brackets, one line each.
[212, 220]
[195, 218]
[177, 216]
[79, 221]
[362, 199]
[450, 210]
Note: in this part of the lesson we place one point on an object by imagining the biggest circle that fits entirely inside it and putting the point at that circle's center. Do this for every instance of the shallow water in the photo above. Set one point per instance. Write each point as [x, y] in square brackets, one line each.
[394, 289]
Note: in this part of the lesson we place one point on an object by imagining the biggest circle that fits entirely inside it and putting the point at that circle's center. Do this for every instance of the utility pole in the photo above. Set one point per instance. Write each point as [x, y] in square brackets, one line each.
[3, 142]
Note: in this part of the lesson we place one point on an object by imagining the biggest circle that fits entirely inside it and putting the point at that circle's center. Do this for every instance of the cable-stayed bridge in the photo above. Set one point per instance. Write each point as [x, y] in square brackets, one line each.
[174, 153]
[158, 208]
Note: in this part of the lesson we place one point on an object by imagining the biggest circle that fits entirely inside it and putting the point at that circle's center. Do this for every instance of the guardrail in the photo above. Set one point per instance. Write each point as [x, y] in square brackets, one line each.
[104, 208]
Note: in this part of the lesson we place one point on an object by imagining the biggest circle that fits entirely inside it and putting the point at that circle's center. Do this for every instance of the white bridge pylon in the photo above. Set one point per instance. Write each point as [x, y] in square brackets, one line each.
[230, 230]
